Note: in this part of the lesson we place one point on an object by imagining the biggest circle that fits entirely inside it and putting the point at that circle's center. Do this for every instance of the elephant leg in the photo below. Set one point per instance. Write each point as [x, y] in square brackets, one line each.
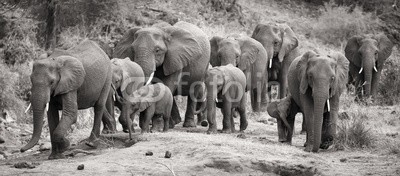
[331, 123]
[53, 119]
[157, 123]
[325, 137]
[189, 115]
[132, 118]
[109, 124]
[232, 121]
[148, 115]
[95, 134]
[281, 131]
[308, 116]
[255, 99]
[264, 94]
[69, 117]
[166, 123]
[175, 115]
[227, 116]
[243, 118]
[375, 81]
[291, 120]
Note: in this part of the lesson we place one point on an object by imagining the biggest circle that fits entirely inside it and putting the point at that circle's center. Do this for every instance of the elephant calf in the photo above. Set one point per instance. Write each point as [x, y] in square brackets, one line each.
[226, 90]
[151, 100]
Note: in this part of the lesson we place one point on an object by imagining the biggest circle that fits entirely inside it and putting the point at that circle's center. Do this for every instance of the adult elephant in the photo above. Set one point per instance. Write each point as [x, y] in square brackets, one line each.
[68, 80]
[281, 43]
[316, 82]
[178, 55]
[247, 54]
[367, 55]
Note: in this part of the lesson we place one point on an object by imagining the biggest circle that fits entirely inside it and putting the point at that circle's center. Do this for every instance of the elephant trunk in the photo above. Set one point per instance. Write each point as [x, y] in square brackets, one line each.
[39, 99]
[320, 96]
[146, 60]
[368, 68]
[211, 105]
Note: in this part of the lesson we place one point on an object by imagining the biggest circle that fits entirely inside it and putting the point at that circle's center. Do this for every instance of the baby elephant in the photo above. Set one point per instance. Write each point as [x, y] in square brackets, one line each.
[150, 100]
[226, 87]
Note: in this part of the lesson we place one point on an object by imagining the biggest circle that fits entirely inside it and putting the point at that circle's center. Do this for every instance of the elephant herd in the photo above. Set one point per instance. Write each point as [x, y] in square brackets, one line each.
[151, 65]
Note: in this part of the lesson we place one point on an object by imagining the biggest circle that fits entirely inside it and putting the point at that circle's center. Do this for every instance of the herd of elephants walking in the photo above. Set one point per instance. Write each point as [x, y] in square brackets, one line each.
[151, 65]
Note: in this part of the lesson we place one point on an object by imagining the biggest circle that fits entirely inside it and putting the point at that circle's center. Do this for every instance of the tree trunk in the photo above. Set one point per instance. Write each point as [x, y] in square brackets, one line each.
[51, 39]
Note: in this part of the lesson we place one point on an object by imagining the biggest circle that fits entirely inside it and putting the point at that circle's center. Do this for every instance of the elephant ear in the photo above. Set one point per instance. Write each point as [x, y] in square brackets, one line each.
[144, 97]
[289, 41]
[257, 30]
[250, 52]
[341, 73]
[182, 48]
[71, 72]
[351, 50]
[124, 48]
[214, 59]
[302, 68]
[385, 48]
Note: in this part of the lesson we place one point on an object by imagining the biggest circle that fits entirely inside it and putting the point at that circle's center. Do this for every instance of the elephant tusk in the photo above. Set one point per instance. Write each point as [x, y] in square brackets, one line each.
[360, 70]
[216, 100]
[365, 82]
[150, 78]
[375, 69]
[113, 97]
[328, 105]
[47, 107]
[270, 63]
[27, 109]
[203, 99]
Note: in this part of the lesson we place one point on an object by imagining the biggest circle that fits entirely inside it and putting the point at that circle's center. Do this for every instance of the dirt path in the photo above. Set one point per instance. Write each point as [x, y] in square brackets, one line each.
[197, 153]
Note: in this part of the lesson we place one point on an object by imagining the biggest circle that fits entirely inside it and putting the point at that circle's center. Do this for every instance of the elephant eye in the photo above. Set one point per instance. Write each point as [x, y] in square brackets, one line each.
[237, 56]
[276, 43]
[332, 78]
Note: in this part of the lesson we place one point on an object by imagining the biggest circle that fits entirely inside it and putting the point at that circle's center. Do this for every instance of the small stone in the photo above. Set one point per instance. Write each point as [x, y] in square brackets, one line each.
[393, 112]
[167, 154]
[25, 164]
[271, 124]
[343, 160]
[241, 136]
[272, 120]
[81, 167]
[45, 146]
[149, 153]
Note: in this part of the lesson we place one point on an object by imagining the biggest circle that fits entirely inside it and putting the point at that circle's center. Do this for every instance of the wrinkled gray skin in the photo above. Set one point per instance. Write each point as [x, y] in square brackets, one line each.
[150, 101]
[248, 55]
[281, 43]
[314, 79]
[200, 94]
[178, 54]
[227, 84]
[78, 78]
[367, 52]
[284, 110]
[127, 77]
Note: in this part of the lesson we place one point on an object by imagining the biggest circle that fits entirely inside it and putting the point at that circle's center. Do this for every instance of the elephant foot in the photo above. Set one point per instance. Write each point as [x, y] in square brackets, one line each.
[227, 131]
[108, 131]
[286, 142]
[189, 123]
[308, 148]
[204, 123]
[56, 155]
[176, 120]
[212, 131]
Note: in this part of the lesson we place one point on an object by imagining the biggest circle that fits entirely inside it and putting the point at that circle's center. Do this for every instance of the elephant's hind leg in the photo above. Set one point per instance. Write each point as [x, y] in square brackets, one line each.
[189, 116]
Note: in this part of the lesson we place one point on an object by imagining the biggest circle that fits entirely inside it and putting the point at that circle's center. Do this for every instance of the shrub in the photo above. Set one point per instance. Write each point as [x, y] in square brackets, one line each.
[336, 24]
[353, 133]
[389, 85]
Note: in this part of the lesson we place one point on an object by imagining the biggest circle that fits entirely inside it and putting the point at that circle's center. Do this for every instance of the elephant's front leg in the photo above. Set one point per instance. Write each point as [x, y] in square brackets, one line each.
[308, 116]
[109, 123]
[53, 119]
[242, 113]
[227, 117]
[189, 115]
[329, 136]
[69, 117]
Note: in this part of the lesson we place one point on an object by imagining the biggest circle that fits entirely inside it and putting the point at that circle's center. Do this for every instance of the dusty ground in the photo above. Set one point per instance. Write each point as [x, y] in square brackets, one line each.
[194, 152]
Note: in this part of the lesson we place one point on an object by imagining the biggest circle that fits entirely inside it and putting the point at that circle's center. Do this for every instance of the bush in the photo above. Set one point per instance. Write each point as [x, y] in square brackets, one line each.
[389, 85]
[336, 24]
[353, 133]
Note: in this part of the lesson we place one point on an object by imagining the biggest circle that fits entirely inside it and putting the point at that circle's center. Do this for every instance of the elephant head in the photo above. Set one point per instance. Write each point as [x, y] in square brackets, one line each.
[127, 76]
[367, 54]
[51, 77]
[278, 40]
[238, 51]
[321, 78]
[167, 46]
